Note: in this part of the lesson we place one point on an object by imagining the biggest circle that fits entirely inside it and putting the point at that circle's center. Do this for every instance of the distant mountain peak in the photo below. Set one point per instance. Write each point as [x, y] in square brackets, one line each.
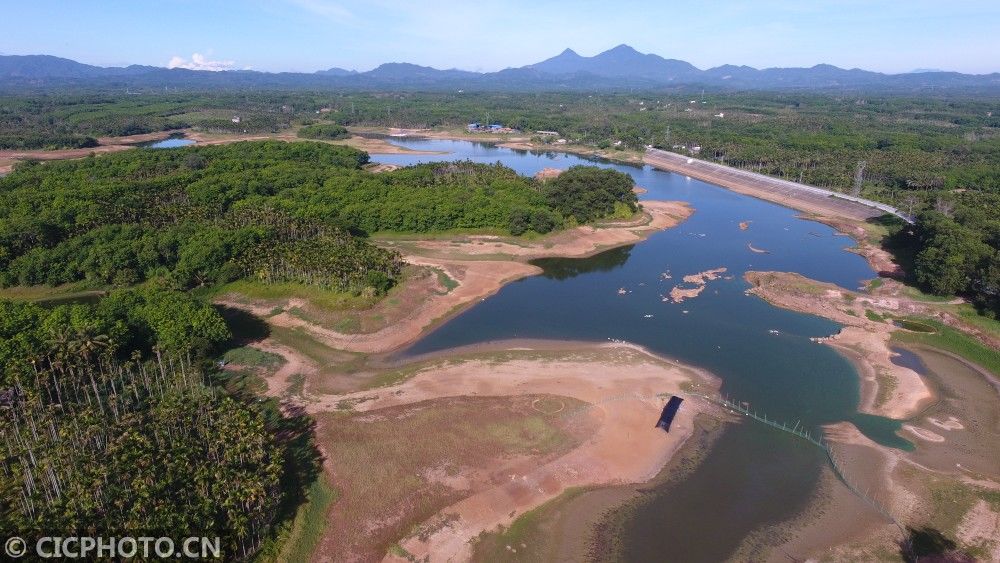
[624, 49]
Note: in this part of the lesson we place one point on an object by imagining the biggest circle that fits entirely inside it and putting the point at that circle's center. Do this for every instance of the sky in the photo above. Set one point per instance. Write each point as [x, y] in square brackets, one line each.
[488, 35]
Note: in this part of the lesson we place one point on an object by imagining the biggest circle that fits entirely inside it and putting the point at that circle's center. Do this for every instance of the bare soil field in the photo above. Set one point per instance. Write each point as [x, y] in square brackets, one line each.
[613, 393]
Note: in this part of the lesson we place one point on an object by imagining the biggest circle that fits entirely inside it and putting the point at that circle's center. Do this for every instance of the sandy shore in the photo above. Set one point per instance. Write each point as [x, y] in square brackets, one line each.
[480, 266]
[625, 388]
[887, 389]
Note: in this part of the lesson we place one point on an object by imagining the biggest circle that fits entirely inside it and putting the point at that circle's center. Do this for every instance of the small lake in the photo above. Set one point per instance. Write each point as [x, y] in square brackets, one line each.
[754, 476]
[172, 142]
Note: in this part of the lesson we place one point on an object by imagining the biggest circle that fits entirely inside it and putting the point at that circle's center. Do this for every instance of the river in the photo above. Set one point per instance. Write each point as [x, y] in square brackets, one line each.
[754, 476]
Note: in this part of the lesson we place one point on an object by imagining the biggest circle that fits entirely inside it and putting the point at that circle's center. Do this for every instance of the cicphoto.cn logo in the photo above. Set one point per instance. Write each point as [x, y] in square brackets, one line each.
[124, 547]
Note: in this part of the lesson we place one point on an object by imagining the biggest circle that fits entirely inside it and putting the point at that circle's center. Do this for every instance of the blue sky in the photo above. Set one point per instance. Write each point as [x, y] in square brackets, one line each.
[487, 35]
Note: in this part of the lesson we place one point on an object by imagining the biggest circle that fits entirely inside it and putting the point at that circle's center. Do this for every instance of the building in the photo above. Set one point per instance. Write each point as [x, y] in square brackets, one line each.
[476, 127]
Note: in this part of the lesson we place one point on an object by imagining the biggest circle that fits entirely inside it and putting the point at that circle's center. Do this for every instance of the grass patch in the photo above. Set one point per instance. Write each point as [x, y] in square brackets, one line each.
[296, 385]
[526, 538]
[914, 326]
[886, 387]
[969, 314]
[445, 280]
[251, 357]
[875, 284]
[951, 340]
[393, 377]
[348, 325]
[398, 460]
[46, 295]
[915, 293]
[873, 316]
[301, 341]
[242, 381]
[309, 524]
[317, 296]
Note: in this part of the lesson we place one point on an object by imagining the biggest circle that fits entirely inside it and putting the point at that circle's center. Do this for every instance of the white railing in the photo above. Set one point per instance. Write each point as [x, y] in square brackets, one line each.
[736, 173]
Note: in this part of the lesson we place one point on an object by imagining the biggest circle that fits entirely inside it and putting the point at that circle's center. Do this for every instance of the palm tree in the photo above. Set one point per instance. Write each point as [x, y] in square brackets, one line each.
[87, 343]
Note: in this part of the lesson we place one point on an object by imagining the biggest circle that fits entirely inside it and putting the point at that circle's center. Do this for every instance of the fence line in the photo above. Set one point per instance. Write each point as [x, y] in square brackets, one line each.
[836, 464]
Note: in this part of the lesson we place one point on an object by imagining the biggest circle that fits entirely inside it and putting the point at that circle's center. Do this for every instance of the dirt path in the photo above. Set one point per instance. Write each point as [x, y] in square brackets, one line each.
[295, 364]
[626, 389]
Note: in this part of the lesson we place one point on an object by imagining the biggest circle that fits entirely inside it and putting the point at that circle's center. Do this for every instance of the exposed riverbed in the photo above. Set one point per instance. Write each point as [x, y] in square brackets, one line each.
[753, 477]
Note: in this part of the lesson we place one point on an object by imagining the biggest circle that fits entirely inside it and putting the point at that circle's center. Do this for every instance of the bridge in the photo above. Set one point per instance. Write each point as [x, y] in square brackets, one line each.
[792, 194]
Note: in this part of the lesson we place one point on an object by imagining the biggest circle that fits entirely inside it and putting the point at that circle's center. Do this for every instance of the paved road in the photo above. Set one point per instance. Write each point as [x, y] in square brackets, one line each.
[788, 193]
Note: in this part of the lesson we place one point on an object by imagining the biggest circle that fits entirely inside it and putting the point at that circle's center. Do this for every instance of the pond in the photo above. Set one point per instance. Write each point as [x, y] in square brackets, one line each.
[171, 142]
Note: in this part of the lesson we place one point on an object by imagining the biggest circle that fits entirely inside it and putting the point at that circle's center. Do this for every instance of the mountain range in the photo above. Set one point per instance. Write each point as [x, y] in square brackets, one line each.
[615, 69]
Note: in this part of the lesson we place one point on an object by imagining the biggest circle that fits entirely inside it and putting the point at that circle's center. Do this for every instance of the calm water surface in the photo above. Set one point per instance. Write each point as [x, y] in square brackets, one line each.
[754, 476]
[171, 142]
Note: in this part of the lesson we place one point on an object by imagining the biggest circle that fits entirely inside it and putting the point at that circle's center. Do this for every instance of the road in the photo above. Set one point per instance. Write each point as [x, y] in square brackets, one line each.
[798, 196]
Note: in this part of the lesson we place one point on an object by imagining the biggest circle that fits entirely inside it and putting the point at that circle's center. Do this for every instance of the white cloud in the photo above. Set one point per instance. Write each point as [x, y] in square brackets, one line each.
[199, 62]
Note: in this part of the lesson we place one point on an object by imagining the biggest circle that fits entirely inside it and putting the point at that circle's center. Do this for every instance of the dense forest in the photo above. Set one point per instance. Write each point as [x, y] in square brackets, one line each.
[194, 216]
[324, 131]
[112, 422]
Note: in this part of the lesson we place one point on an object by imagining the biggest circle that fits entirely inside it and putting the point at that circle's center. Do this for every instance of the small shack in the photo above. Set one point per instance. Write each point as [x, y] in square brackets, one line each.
[669, 410]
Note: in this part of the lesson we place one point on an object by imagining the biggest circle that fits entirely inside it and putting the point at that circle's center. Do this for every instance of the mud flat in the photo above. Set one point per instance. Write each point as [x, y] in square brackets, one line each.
[613, 391]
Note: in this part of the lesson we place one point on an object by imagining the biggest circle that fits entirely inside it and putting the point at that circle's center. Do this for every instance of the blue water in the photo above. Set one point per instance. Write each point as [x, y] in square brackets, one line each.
[753, 477]
[169, 143]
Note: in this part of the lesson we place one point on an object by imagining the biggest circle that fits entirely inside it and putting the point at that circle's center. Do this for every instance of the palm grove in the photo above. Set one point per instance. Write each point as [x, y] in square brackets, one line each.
[116, 418]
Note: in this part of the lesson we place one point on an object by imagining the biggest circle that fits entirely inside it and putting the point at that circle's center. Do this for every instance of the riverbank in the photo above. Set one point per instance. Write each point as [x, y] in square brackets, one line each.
[8, 158]
[887, 389]
[948, 484]
[470, 268]
[803, 198]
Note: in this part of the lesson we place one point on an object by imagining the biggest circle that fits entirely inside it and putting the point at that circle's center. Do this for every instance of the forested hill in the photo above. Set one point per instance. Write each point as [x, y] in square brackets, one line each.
[268, 210]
